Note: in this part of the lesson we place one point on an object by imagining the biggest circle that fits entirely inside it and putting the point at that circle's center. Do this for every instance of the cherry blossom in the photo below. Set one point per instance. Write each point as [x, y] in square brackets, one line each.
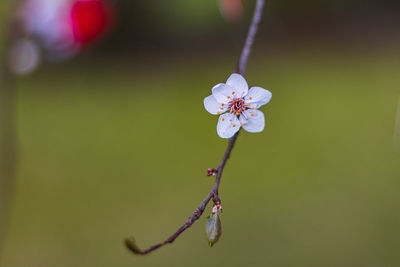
[237, 106]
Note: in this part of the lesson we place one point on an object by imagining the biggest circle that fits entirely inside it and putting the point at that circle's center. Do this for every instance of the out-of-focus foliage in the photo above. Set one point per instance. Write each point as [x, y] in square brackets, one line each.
[5, 8]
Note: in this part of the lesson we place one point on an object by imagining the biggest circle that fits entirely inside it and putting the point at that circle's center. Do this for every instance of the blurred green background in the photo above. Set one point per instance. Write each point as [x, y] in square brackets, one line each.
[116, 143]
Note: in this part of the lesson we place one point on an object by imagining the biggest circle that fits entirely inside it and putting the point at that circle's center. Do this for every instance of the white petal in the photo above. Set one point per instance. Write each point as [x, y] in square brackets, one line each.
[258, 96]
[255, 121]
[227, 125]
[243, 118]
[223, 93]
[212, 105]
[239, 84]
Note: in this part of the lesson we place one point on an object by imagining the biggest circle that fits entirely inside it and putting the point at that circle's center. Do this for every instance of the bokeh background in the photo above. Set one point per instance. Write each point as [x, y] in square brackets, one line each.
[116, 142]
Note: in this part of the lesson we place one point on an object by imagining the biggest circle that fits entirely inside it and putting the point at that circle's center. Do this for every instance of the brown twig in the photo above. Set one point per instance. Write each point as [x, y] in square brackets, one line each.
[130, 242]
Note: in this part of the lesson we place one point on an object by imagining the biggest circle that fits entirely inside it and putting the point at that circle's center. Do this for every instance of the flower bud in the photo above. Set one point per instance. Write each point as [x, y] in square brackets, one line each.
[213, 227]
[211, 172]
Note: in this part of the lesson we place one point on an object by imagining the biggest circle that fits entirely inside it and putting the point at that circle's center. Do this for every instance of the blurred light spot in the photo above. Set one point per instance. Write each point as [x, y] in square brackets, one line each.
[231, 10]
[24, 57]
[62, 27]
[90, 19]
[49, 22]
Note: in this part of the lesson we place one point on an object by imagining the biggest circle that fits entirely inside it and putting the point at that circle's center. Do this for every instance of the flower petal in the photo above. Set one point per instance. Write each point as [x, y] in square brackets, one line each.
[239, 84]
[255, 121]
[243, 118]
[212, 105]
[258, 96]
[227, 125]
[222, 93]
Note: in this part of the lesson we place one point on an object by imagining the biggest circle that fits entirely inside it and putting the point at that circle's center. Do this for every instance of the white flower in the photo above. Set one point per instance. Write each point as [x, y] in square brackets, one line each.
[237, 105]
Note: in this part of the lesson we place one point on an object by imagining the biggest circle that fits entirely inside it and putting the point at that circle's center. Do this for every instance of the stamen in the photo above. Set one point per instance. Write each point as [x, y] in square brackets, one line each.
[218, 113]
[233, 93]
[234, 125]
[252, 108]
[236, 106]
[241, 124]
[252, 114]
[223, 119]
[250, 98]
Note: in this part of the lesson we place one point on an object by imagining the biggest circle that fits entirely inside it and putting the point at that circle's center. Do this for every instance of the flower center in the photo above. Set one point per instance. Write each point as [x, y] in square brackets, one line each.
[236, 106]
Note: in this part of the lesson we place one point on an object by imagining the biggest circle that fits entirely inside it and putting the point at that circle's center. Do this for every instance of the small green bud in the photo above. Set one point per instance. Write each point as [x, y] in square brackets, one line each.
[130, 243]
[213, 227]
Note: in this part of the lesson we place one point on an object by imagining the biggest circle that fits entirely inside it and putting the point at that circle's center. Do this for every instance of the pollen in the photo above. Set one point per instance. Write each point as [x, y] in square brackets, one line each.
[223, 119]
[250, 98]
[218, 113]
[222, 108]
[222, 104]
[234, 125]
[252, 108]
[252, 114]
[229, 96]
[233, 93]
[237, 113]
[241, 124]
[247, 104]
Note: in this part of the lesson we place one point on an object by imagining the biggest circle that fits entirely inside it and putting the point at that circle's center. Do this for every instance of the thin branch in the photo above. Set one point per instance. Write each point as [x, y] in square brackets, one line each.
[258, 13]
[130, 242]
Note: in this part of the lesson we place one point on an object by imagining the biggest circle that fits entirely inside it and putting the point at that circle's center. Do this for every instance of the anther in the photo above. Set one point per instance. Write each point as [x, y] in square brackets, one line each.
[252, 114]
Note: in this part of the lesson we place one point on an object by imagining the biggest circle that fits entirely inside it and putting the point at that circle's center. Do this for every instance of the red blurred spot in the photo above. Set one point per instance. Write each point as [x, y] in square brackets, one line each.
[232, 10]
[90, 19]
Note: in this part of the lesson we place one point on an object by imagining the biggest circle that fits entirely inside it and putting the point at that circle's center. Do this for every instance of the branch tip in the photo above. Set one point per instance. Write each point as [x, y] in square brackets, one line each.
[130, 244]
